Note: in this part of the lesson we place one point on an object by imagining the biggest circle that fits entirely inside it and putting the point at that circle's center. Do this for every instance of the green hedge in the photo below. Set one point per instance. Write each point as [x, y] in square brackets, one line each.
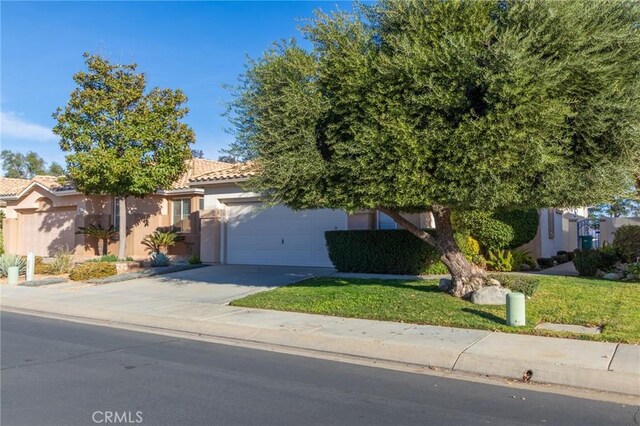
[500, 230]
[626, 241]
[386, 252]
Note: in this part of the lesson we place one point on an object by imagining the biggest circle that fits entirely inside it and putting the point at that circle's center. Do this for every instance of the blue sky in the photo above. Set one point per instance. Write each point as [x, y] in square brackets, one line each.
[194, 46]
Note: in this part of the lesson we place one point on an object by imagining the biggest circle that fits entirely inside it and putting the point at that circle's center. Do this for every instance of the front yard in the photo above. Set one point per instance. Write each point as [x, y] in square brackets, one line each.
[580, 301]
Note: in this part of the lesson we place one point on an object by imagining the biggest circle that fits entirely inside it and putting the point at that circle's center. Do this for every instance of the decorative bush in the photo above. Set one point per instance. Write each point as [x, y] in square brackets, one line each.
[560, 258]
[194, 260]
[160, 241]
[40, 267]
[9, 260]
[588, 262]
[626, 241]
[522, 257]
[526, 284]
[500, 260]
[159, 259]
[499, 230]
[388, 252]
[62, 262]
[91, 270]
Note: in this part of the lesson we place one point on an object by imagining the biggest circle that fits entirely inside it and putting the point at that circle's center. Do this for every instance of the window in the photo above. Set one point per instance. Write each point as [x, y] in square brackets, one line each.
[181, 215]
[201, 203]
[385, 222]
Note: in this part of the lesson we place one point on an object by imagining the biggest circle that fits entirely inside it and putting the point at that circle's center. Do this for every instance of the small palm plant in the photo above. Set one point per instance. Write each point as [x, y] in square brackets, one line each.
[9, 260]
[103, 235]
[160, 241]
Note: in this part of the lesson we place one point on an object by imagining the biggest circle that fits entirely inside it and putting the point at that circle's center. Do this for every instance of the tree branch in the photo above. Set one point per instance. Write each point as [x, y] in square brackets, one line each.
[397, 217]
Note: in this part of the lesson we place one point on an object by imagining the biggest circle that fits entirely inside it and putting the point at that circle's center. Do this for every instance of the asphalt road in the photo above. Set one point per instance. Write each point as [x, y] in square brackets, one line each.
[62, 373]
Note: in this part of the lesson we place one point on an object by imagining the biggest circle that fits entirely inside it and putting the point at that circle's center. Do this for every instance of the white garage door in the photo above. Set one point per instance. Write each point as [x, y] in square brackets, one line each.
[259, 235]
[46, 232]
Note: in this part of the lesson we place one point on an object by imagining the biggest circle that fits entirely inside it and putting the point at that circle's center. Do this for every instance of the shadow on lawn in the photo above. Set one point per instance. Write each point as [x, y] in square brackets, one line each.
[338, 282]
[485, 315]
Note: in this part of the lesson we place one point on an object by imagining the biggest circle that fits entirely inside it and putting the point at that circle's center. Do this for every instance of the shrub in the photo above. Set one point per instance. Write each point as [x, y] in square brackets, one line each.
[560, 258]
[526, 284]
[9, 260]
[500, 260]
[159, 259]
[634, 268]
[522, 257]
[568, 253]
[159, 241]
[91, 270]
[500, 230]
[587, 262]
[62, 262]
[194, 260]
[626, 241]
[545, 262]
[40, 267]
[387, 252]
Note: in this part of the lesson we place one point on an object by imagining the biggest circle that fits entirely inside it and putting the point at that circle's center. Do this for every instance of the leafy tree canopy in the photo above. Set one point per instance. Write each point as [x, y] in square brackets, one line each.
[121, 139]
[26, 166]
[478, 105]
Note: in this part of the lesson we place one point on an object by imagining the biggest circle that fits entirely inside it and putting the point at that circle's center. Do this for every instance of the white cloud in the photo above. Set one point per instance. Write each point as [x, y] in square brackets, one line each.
[13, 126]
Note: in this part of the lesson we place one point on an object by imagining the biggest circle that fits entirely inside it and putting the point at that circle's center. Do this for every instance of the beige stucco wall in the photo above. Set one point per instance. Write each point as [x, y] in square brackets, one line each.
[143, 217]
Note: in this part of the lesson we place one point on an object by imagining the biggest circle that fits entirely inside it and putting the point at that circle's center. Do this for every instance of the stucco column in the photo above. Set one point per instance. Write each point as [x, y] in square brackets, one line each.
[210, 226]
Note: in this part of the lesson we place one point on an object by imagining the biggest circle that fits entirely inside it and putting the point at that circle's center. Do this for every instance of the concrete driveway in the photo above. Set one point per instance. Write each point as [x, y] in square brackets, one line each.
[218, 284]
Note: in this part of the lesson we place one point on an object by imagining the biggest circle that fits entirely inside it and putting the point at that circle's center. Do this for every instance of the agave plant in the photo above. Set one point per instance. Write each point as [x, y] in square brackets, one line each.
[9, 260]
[159, 259]
[103, 235]
[160, 241]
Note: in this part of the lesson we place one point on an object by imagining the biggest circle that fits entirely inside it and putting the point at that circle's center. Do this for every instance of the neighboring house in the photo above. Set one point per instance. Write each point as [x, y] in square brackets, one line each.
[43, 216]
[557, 231]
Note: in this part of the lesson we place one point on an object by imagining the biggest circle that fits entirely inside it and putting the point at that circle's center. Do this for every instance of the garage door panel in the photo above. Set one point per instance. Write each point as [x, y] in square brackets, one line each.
[44, 233]
[279, 236]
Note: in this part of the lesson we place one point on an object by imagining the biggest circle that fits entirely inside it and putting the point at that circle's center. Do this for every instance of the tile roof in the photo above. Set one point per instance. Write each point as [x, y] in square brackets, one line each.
[198, 167]
[233, 171]
[13, 186]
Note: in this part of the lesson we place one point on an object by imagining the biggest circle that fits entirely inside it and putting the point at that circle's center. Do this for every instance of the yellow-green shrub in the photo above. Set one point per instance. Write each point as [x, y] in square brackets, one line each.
[91, 270]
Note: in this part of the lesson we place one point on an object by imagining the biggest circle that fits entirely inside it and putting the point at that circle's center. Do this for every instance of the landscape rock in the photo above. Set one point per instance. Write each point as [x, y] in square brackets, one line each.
[490, 295]
[445, 284]
[599, 273]
[613, 276]
[632, 277]
[525, 267]
[494, 282]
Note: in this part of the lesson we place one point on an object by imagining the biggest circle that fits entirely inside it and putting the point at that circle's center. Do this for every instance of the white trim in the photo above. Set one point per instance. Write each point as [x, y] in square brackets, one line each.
[216, 182]
[38, 184]
[182, 191]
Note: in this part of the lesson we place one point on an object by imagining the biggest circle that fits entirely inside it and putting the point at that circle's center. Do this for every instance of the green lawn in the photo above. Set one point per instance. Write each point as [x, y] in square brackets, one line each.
[567, 300]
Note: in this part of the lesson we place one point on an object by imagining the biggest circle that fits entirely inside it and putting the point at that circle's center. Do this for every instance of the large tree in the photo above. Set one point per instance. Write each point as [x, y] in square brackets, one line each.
[431, 105]
[26, 166]
[123, 140]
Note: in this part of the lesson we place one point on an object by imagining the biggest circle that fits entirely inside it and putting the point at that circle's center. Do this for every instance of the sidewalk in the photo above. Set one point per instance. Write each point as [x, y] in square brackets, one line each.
[601, 366]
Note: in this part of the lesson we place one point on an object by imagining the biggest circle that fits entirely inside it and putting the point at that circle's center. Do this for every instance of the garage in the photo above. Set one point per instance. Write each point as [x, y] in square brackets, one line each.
[46, 232]
[261, 235]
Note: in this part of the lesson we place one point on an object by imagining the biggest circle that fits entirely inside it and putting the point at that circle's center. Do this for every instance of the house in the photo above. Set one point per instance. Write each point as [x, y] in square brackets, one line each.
[220, 220]
[42, 215]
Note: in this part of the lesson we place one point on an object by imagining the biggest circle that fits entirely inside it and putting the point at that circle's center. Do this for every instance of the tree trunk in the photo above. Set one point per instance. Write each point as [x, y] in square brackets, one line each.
[122, 232]
[105, 246]
[465, 276]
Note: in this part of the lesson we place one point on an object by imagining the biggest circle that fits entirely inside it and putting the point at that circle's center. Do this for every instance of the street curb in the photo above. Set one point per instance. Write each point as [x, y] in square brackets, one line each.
[308, 338]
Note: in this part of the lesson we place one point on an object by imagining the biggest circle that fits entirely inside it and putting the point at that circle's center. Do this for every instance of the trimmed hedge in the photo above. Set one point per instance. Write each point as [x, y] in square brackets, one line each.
[500, 230]
[90, 270]
[626, 241]
[388, 252]
[587, 262]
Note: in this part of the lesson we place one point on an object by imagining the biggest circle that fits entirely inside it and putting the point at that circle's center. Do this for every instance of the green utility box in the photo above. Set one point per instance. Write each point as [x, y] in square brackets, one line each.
[586, 242]
[515, 309]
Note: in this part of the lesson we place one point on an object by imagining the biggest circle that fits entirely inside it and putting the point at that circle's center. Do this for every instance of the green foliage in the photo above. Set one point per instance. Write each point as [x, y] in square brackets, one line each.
[500, 260]
[501, 230]
[160, 241]
[634, 268]
[545, 262]
[523, 222]
[101, 234]
[194, 260]
[62, 262]
[587, 262]
[521, 257]
[626, 241]
[483, 105]
[387, 252]
[121, 139]
[526, 284]
[9, 260]
[26, 166]
[159, 259]
[91, 270]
